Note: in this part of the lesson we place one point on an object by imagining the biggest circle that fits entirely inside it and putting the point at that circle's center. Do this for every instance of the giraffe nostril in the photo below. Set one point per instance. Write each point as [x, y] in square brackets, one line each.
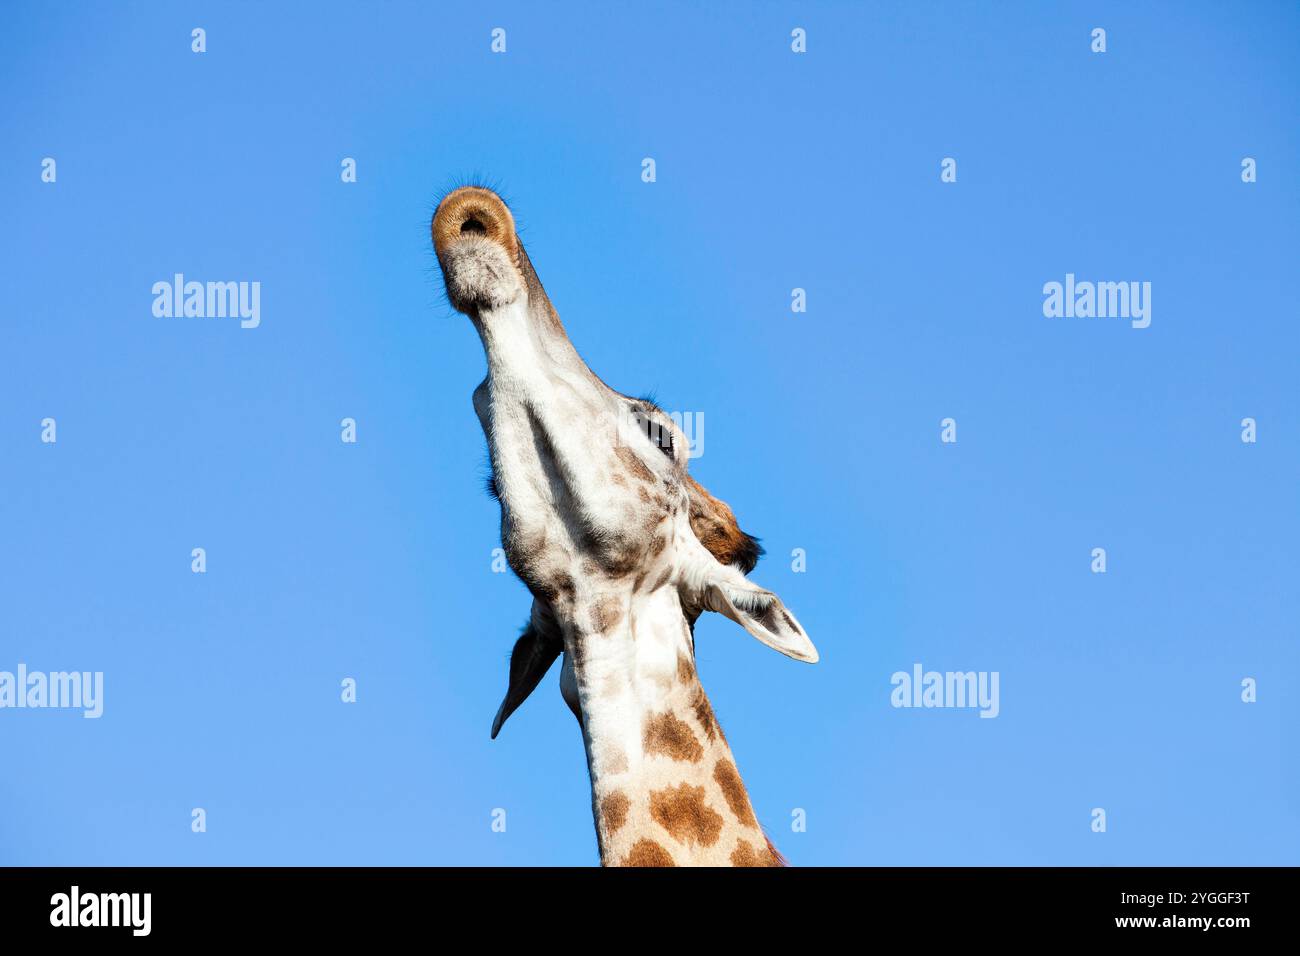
[472, 225]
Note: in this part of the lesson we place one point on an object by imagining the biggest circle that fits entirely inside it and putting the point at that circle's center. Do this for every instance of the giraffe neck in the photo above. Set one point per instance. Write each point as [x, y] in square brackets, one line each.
[665, 789]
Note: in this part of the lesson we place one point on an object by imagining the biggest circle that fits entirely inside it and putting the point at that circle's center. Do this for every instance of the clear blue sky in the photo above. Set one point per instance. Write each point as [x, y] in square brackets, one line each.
[775, 171]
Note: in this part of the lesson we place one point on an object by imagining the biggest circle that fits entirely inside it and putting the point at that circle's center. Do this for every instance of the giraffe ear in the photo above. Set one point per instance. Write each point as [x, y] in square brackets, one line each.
[534, 653]
[718, 587]
[764, 615]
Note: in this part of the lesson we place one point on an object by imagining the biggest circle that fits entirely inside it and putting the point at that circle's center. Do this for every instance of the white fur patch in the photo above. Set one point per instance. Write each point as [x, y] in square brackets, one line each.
[479, 273]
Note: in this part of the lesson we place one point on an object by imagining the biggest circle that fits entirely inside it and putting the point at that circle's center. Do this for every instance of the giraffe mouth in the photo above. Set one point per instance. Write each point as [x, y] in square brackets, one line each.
[474, 239]
[479, 275]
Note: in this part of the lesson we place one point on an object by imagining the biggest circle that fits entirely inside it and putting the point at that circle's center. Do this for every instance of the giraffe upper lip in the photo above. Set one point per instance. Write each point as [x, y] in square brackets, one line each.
[473, 211]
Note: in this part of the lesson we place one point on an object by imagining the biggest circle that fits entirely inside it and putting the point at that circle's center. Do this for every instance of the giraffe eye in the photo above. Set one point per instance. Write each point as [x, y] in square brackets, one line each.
[660, 435]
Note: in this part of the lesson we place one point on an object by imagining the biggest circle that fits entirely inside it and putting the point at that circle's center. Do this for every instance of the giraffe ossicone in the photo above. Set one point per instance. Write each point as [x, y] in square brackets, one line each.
[621, 549]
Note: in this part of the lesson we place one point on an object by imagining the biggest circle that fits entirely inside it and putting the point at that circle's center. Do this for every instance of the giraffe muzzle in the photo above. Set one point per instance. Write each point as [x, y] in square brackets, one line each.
[474, 239]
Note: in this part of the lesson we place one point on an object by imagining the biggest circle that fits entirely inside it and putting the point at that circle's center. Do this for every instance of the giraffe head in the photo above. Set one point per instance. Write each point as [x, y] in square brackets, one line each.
[621, 548]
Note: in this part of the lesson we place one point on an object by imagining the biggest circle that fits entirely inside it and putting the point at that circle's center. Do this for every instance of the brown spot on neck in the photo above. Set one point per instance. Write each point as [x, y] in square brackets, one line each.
[606, 613]
[745, 855]
[734, 791]
[699, 700]
[665, 734]
[613, 811]
[685, 669]
[704, 714]
[683, 812]
[647, 853]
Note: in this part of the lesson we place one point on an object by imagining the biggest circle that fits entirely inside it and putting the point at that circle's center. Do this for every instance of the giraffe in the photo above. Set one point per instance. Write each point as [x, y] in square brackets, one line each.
[621, 549]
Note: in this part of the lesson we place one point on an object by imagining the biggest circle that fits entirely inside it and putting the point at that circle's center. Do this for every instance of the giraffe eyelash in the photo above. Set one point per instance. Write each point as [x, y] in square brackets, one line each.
[659, 434]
